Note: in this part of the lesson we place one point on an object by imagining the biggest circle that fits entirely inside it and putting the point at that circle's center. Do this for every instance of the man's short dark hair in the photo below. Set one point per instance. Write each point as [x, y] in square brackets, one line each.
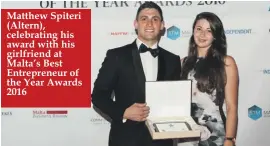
[149, 5]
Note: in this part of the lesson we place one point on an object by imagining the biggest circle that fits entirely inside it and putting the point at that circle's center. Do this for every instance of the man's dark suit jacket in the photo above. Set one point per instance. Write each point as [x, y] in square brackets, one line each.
[122, 72]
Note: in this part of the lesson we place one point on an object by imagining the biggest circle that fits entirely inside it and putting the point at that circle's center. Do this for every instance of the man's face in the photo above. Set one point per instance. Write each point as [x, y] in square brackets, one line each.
[149, 24]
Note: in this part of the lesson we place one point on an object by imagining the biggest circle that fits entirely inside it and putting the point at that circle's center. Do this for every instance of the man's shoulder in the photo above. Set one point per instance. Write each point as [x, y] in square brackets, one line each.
[170, 54]
[120, 49]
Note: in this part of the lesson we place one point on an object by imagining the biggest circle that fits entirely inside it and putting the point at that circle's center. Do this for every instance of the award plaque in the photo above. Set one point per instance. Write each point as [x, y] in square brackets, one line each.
[171, 126]
[170, 108]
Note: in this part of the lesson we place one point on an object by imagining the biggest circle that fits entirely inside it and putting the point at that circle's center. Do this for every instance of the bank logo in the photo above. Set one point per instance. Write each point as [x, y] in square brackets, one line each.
[50, 113]
[238, 31]
[255, 112]
[173, 33]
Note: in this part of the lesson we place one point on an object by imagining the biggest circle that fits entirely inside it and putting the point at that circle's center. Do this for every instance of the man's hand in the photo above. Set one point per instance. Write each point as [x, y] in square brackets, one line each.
[137, 112]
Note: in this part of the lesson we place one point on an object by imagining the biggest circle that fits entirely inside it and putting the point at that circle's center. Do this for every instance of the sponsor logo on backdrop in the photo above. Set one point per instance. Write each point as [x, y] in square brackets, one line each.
[266, 113]
[6, 113]
[50, 113]
[266, 71]
[255, 112]
[175, 32]
[238, 31]
[121, 33]
[121, 4]
[97, 119]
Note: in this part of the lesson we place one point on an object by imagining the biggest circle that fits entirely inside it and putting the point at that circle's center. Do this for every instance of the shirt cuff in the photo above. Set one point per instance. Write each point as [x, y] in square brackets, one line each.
[124, 120]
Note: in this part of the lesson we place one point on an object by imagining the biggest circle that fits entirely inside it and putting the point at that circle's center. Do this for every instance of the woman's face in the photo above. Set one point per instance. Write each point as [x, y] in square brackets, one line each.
[203, 36]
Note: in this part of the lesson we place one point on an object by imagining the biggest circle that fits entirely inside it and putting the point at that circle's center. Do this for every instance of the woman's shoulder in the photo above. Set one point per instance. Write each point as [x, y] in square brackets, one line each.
[183, 59]
[229, 60]
[230, 66]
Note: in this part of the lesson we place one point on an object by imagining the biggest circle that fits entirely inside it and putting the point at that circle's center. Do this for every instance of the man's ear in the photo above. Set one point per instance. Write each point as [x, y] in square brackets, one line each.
[135, 23]
[162, 25]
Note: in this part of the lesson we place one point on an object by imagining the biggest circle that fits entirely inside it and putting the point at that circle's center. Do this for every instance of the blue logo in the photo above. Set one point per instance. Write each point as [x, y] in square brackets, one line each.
[266, 71]
[173, 33]
[255, 112]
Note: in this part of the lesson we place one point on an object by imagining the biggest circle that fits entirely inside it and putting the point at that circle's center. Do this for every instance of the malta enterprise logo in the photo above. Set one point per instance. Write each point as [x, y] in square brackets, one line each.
[174, 33]
[50, 113]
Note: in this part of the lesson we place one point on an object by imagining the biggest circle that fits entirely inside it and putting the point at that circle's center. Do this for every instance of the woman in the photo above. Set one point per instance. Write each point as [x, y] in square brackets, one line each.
[215, 81]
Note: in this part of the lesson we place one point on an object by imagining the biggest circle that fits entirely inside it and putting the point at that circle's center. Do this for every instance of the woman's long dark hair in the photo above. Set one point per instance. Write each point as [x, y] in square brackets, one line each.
[209, 71]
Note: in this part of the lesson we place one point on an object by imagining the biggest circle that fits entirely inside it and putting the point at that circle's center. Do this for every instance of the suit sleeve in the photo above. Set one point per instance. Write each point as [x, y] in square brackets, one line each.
[104, 86]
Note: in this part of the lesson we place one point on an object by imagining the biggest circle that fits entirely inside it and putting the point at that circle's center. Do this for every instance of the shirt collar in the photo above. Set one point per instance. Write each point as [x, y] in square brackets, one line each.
[139, 42]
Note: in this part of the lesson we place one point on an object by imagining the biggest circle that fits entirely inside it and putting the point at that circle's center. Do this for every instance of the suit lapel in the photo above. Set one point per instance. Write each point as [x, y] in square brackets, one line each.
[137, 63]
[161, 66]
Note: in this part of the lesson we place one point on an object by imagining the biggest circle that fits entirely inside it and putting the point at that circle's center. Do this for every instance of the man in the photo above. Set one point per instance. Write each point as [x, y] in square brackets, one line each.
[125, 70]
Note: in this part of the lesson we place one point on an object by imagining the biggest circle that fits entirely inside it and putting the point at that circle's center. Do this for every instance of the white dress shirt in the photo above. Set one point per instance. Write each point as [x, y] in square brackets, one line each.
[149, 63]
